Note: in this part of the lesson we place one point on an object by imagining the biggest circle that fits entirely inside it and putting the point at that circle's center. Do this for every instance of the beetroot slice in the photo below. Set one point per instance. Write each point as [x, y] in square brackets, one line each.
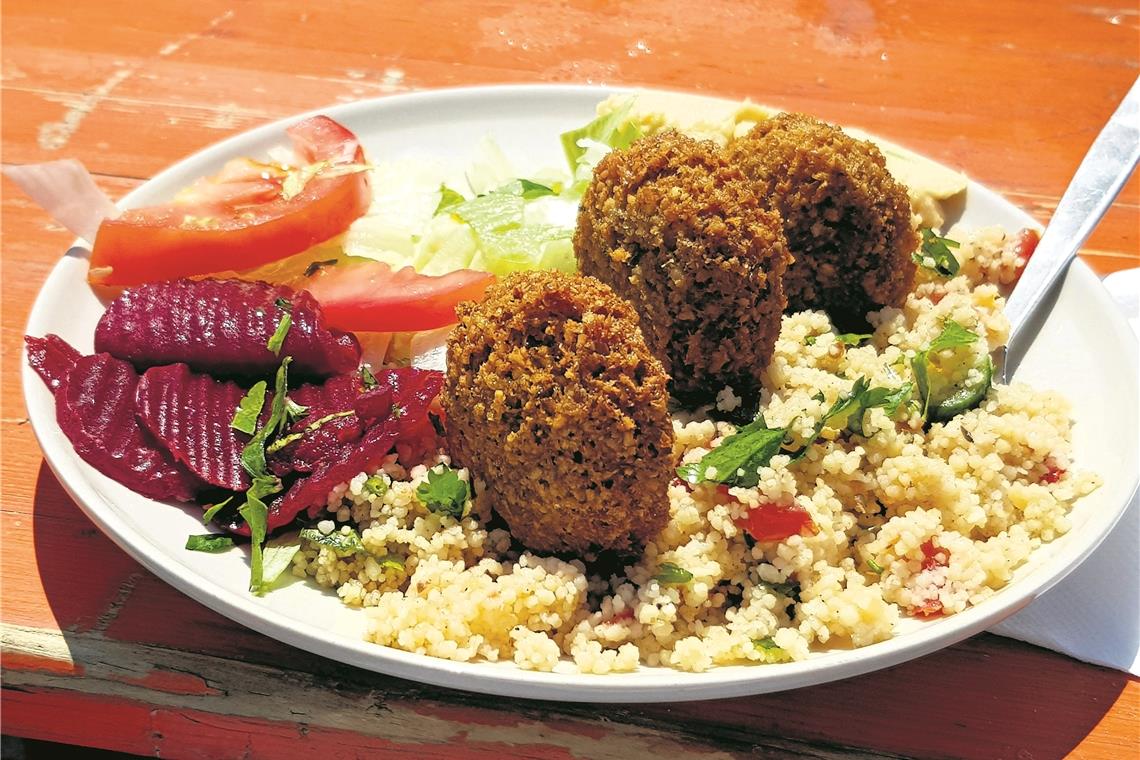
[51, 357]
[189, 415]
[312, 492]
[95, 407]
[222, 327]
[337, 395]
[413, 390]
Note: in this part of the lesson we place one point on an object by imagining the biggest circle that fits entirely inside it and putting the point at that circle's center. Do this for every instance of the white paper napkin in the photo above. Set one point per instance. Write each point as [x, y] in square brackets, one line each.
[1094, 614]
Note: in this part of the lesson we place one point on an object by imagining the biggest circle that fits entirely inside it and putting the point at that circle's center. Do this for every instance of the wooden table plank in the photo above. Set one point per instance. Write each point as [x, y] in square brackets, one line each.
[1011, 92]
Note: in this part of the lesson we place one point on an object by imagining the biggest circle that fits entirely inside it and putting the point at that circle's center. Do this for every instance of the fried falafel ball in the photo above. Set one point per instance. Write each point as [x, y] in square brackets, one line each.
[847, 221]
[680, 234]
[554, 402]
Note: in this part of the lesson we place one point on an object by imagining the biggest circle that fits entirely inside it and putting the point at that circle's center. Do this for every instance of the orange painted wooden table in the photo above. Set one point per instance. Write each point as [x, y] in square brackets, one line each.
[99, 652]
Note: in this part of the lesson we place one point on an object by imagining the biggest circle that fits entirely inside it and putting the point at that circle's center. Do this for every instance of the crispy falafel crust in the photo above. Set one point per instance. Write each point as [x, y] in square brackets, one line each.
[680, 234]
[555, 403]
[847, 221]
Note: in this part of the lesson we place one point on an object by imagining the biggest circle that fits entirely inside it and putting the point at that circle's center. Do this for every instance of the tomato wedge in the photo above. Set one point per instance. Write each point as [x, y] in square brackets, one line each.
[248, 215]
[366, 295]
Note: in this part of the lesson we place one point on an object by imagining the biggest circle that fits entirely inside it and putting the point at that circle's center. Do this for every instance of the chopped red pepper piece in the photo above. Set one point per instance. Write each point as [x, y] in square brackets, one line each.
[934, 555]
[775, 522]
[1026, 243]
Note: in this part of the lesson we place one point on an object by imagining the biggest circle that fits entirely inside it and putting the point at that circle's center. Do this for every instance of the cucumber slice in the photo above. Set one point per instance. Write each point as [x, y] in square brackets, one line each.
[963, 396]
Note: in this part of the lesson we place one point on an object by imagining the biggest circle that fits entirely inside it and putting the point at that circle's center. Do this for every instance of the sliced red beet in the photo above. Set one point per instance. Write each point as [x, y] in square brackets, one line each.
[95, 407]
[223, 327]
[190, 415]
[335, 396]
[413, 390]
[51, 357]
[312, 492]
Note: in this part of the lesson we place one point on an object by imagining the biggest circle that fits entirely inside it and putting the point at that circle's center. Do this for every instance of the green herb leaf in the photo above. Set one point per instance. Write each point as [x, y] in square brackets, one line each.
[447, 199]
[852, 339]
[276, 559]
[770, 651]
[810, 340]
[531, 190]
[936, 255]
[953, 335]
[670, 574]
[215, 509]
[875, 566]
[277, 339]
[249, 409]
[345, 543]
[790, 589]
[377, 485]
[367, 379]
[443, 492]
[317, 266]
[255, 513]
[735, 461]
[285, 440]
[209, 542]
[888, 399]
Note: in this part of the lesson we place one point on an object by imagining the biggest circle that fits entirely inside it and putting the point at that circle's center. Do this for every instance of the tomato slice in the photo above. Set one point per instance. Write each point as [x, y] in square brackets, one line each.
[366, 295]
[774, 522]
[248, 215]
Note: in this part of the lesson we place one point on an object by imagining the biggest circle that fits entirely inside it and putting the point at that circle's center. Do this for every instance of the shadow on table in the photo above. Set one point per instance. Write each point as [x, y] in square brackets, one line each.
[987, 697]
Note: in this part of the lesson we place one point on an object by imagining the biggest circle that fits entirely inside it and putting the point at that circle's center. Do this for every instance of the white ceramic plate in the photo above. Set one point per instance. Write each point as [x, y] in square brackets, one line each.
[1085, 352]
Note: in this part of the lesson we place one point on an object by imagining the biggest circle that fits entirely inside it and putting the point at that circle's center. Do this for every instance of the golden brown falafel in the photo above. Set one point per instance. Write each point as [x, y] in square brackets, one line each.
[847, 221]
[555, 403]
[679, 233]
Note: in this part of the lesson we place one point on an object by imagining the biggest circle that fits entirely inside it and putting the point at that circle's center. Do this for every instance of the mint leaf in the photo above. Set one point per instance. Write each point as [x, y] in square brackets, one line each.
[443, 492]
[852, 339]
[215, 509]
[285, 440]
[249, 409]
[316, 266]
[276, 559]
[532, 190]
[935, 254]
[888, 399]
[277, 339]
[670, 574]
[346, 543]
[367, 379]
[209, 542]
[735, 461]
[255, 514]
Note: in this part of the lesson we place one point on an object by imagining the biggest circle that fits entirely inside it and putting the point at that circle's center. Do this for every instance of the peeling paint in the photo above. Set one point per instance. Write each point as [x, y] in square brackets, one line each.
[54, 135]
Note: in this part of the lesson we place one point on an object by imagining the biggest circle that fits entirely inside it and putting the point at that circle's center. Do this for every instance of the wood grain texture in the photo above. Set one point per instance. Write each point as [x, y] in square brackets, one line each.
[1010, 92]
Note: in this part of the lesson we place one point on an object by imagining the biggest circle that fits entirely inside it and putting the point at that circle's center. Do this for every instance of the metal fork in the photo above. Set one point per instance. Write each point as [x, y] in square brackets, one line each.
[1104, 170]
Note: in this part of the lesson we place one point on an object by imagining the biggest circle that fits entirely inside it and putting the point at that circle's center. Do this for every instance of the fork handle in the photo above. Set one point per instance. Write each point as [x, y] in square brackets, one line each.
[1095, 185]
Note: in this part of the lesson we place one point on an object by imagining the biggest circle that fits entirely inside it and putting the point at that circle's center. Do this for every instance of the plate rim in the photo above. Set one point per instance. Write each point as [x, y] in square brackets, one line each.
[505, 678]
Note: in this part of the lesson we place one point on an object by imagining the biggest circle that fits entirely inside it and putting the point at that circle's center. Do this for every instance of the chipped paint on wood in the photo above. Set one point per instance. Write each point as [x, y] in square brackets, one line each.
[54, 135]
